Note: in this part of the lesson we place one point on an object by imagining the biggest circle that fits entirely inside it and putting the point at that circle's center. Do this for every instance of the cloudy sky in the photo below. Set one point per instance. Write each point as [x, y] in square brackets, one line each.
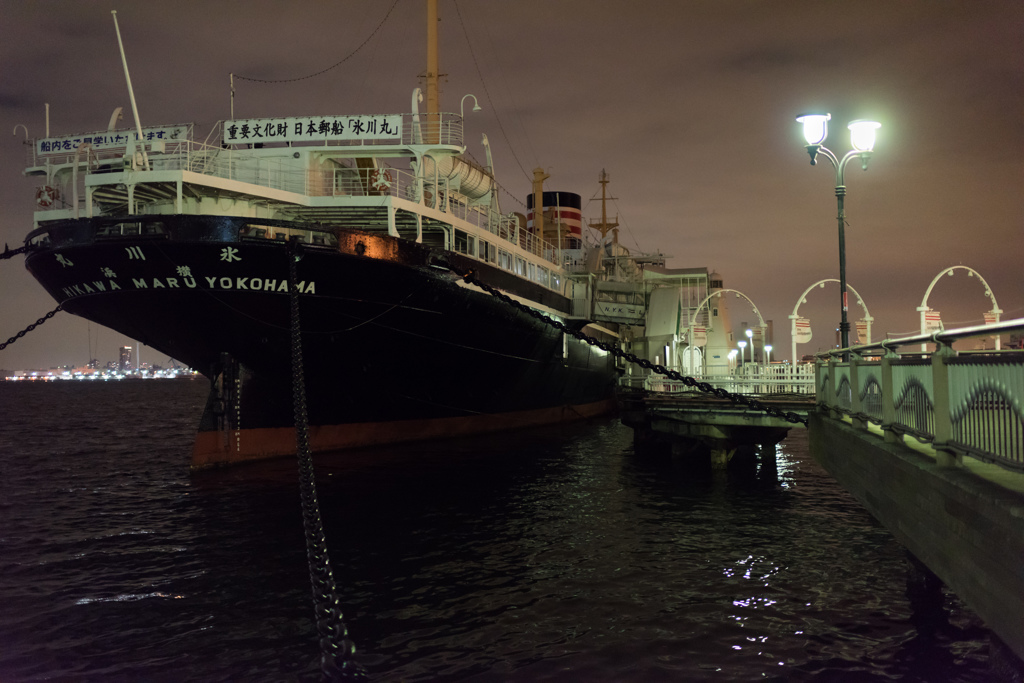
[688, 104]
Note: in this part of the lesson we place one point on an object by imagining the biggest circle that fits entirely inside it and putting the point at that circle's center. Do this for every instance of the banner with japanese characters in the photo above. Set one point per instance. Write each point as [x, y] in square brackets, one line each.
[110, 139]
[313, 129]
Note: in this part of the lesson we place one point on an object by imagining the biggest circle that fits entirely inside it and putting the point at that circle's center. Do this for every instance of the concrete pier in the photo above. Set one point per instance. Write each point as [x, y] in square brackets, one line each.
[965, 523]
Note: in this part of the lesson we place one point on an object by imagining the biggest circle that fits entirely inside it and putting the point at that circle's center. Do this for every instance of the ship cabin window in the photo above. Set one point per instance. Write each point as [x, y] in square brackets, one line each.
[504, 259]
[532, 271]
[716, 284]
[542, 276]
[714, 312]
[465, 243]
[487, 251]
[520, 266]
[556, 282]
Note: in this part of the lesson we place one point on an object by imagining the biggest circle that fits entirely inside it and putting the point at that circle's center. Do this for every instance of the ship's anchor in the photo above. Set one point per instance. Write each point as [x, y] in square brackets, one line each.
[470, 278]
[336, 650]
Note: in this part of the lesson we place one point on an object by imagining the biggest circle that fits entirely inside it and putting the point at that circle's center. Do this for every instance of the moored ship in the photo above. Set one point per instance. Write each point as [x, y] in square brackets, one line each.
[185, 242]
[185, 246]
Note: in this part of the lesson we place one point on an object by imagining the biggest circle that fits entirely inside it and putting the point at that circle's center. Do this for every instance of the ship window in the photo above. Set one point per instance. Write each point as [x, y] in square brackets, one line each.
[714, 312]
[556, 282]
[487, 251]
[520, 266]
[504, 259]
[465, 243]
[542, 275]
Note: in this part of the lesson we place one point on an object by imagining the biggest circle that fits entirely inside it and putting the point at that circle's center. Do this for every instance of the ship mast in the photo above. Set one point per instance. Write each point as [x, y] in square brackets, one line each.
[432, 75]
[604, 226]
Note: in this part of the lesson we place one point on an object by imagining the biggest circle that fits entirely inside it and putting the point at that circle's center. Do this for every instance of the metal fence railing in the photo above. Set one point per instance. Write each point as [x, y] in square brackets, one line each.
[752, 378]
[964, 403]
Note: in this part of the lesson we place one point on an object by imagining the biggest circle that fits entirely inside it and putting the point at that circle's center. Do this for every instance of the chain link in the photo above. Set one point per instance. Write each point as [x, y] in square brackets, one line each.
[718, 392]
[29, 328]
[10, 253]
[336, 650]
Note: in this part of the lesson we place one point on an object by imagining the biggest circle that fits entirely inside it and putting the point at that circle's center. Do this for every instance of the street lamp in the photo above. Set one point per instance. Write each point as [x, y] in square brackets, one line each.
[750, 338]
[768, 354]
[862, 137]
[742, 345]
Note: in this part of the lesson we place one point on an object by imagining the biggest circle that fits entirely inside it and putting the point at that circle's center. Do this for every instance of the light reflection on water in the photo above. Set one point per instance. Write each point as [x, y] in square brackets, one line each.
[547, 555]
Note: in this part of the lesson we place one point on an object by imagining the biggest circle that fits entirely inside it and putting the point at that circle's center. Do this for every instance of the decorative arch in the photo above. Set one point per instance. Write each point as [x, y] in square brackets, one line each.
[802, 299]
[991, 317]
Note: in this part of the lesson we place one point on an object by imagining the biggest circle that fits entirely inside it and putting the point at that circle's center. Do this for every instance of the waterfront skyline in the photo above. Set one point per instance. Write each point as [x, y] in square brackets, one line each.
[689, 107]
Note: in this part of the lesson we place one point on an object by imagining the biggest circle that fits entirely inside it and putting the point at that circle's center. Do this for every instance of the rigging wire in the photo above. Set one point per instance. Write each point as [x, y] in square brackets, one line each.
[625, 224]
[487, 92]
[323, 71]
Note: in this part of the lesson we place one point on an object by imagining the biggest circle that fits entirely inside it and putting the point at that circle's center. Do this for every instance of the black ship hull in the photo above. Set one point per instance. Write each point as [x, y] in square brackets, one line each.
[395, 345]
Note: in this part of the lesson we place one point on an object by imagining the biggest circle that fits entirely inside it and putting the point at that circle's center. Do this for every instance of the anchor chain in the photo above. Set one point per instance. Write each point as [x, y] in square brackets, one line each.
[691, 382]
[30, 328]
[10, 253]
[336, 650]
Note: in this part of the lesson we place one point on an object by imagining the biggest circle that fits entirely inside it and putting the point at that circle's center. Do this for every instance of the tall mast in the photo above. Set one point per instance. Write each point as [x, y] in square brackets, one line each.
[432, 74]
[539, 176]
[604, 226]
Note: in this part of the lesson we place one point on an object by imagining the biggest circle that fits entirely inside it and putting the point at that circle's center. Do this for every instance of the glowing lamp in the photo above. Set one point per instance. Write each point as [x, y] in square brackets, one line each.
[862, 134]
[815, 127]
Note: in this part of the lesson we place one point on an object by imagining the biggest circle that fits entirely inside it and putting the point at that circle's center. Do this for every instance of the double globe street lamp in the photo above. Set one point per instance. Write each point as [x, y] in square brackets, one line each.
[862, 137]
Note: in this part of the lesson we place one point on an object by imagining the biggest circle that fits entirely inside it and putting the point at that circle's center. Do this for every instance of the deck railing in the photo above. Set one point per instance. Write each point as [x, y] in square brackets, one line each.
[295, 175]
[964, 403]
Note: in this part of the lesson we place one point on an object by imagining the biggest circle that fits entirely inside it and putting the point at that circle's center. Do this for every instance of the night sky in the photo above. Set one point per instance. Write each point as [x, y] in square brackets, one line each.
[688, 105]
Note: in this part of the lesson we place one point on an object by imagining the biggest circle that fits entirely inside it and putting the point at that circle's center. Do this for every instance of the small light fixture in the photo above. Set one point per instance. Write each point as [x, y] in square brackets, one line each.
[815, 127]
[862, 134]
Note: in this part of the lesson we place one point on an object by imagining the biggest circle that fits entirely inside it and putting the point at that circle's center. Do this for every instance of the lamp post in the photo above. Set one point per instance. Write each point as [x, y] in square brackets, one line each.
[742, 345]
[768, 354]
[462, 105]
[862, 137]
[750, 340]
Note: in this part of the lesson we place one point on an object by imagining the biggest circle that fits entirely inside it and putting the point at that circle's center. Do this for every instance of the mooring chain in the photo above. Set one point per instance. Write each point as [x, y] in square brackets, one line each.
[692, 382]
[10, 253]
[336, 650]
[30, 328]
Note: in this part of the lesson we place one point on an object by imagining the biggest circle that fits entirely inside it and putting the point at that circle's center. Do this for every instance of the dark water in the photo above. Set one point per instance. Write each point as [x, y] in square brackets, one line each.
[554, 555]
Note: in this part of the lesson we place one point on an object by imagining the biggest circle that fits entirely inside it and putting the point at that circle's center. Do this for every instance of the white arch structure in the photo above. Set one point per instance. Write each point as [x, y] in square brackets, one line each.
[738, 293]
[803, 299]
[923, 308]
